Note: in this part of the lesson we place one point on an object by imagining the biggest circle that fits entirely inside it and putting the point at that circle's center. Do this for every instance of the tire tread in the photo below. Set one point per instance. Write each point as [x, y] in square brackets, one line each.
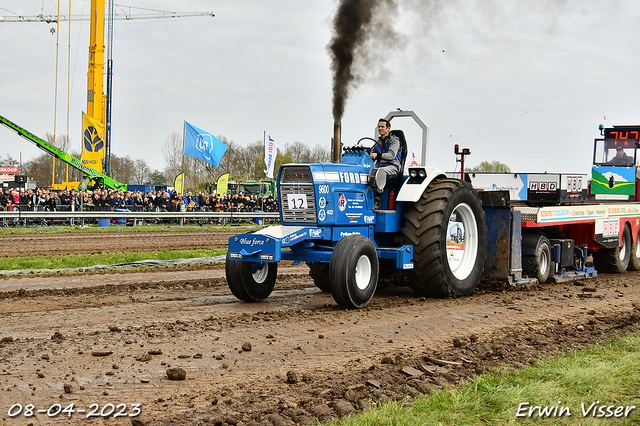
[424, 225]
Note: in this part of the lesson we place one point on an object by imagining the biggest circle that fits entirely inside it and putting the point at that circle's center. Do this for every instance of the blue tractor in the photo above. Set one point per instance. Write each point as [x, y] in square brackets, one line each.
[328, 221]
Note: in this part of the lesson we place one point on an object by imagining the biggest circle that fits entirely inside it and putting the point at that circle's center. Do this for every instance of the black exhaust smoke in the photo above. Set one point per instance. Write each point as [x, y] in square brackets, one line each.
[350, 32]
[357, 26]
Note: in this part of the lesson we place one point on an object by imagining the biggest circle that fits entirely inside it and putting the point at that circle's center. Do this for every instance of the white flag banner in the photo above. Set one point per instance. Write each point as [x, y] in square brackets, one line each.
[270, 152]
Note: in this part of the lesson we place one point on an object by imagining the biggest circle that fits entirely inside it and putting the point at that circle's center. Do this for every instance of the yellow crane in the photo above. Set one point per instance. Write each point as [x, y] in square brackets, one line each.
[96, 148]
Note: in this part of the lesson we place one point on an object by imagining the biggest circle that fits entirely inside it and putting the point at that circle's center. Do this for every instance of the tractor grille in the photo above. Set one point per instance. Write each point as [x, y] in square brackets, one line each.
[296, 185]
[298, 215]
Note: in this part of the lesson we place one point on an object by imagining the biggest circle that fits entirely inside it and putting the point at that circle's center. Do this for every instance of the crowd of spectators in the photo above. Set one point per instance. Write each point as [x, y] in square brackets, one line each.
[109, 200]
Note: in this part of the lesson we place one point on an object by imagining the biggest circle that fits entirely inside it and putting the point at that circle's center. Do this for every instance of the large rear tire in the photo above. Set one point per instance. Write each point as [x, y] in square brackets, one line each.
[354, 271]
[442, 267]
[634, 258]
[536, 257]
[251, 281]
[319, 272]
[615, 259]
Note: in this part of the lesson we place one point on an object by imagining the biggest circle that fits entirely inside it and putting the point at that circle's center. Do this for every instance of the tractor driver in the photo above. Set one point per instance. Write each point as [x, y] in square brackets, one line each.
[387, 152]
[621, 158]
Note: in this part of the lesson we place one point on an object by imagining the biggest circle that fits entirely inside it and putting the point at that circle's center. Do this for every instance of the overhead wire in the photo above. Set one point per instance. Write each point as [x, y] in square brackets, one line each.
[7, 10]
[75, 59]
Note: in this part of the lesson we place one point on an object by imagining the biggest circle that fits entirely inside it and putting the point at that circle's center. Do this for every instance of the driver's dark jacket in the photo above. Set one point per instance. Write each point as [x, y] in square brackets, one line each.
[390, 151]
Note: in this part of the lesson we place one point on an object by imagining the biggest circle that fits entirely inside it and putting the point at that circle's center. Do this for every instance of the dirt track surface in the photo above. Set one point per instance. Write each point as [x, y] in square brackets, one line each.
[111, 241]
[110, 337]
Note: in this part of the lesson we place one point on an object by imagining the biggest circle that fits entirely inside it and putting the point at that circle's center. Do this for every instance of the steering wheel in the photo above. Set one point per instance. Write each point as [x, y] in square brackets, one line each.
[368, 138]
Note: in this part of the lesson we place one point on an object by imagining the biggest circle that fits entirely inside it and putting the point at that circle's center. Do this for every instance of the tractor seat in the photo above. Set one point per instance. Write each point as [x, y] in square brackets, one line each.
[394, 182]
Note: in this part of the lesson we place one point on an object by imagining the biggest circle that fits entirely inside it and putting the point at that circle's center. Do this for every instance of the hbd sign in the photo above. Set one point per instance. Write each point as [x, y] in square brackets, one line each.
[543, 186]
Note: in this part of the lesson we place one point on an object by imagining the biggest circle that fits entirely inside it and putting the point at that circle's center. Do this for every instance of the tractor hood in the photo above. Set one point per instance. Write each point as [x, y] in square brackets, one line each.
[327, 194]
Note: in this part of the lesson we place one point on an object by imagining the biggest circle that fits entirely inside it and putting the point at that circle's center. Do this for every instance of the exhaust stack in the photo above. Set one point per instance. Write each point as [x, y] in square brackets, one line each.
[337, 146]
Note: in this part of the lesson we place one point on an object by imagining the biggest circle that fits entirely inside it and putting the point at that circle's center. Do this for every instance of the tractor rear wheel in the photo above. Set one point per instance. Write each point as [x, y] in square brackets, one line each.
[319, 272]
[615, 259]
[250, 281]
[536, 257]
[442, 266]
[634, 259]
[354, 271]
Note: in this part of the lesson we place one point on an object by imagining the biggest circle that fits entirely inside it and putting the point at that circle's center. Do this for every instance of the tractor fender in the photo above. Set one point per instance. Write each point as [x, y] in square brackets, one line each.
[413, 188]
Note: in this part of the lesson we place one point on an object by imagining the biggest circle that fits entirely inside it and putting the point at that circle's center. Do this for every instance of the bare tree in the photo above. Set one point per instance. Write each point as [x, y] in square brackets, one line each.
[242, 162]
[172, 152]
[39, 169]
[490, 167]
[63, 172]
[233, 161]
[141, 172]
[254, 165]
[320, 154]
[298, 151]
[280, 160]
[123, 169]
[8, 161]
[156, 177]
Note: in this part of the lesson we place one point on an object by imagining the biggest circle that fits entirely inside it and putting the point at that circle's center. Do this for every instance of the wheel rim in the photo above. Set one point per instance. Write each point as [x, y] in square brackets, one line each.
[259, 272]
[462, 241]
[543, 264]
[623, 249]
[363, 272]
[637, 253]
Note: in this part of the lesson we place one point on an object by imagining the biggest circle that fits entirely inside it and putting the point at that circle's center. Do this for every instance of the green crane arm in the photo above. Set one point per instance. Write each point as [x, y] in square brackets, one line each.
[89, 172]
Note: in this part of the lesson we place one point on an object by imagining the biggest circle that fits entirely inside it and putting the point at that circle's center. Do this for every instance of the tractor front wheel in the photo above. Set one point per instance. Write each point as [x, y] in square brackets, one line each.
[354, 271]
[447, 229]
[251, 281]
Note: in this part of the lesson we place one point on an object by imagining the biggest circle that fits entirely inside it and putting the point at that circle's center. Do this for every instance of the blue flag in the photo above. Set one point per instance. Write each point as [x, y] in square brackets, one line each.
[203, 145]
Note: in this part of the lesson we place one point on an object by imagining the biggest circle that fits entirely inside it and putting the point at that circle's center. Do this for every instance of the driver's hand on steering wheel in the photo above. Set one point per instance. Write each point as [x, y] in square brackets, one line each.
[373, 155]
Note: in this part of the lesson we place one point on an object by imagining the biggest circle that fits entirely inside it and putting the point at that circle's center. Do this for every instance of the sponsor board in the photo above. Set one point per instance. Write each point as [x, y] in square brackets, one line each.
[315, 233]
[543, 187]
[455, 244]
[586, 212]
[515, 183]
[613, 180]
[293, 238]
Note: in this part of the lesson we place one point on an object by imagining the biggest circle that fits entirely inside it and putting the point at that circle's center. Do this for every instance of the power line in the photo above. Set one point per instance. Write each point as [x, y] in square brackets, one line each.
[121, 14]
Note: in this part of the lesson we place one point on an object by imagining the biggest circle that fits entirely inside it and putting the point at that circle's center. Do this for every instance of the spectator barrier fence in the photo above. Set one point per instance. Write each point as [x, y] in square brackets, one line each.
[20, 217]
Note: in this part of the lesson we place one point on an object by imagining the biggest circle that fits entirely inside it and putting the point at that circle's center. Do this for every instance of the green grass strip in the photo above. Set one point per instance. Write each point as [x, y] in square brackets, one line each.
[81, 261]
[602, 376]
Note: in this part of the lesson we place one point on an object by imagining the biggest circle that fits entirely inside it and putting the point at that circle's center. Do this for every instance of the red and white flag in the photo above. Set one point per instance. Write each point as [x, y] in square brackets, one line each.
[413, 158]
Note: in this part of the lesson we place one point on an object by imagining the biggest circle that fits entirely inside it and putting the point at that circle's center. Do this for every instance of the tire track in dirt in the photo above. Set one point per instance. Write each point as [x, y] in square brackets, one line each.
[98, 242]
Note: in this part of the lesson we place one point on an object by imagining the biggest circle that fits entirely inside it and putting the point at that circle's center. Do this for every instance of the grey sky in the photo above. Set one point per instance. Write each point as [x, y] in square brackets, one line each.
[524, 83]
